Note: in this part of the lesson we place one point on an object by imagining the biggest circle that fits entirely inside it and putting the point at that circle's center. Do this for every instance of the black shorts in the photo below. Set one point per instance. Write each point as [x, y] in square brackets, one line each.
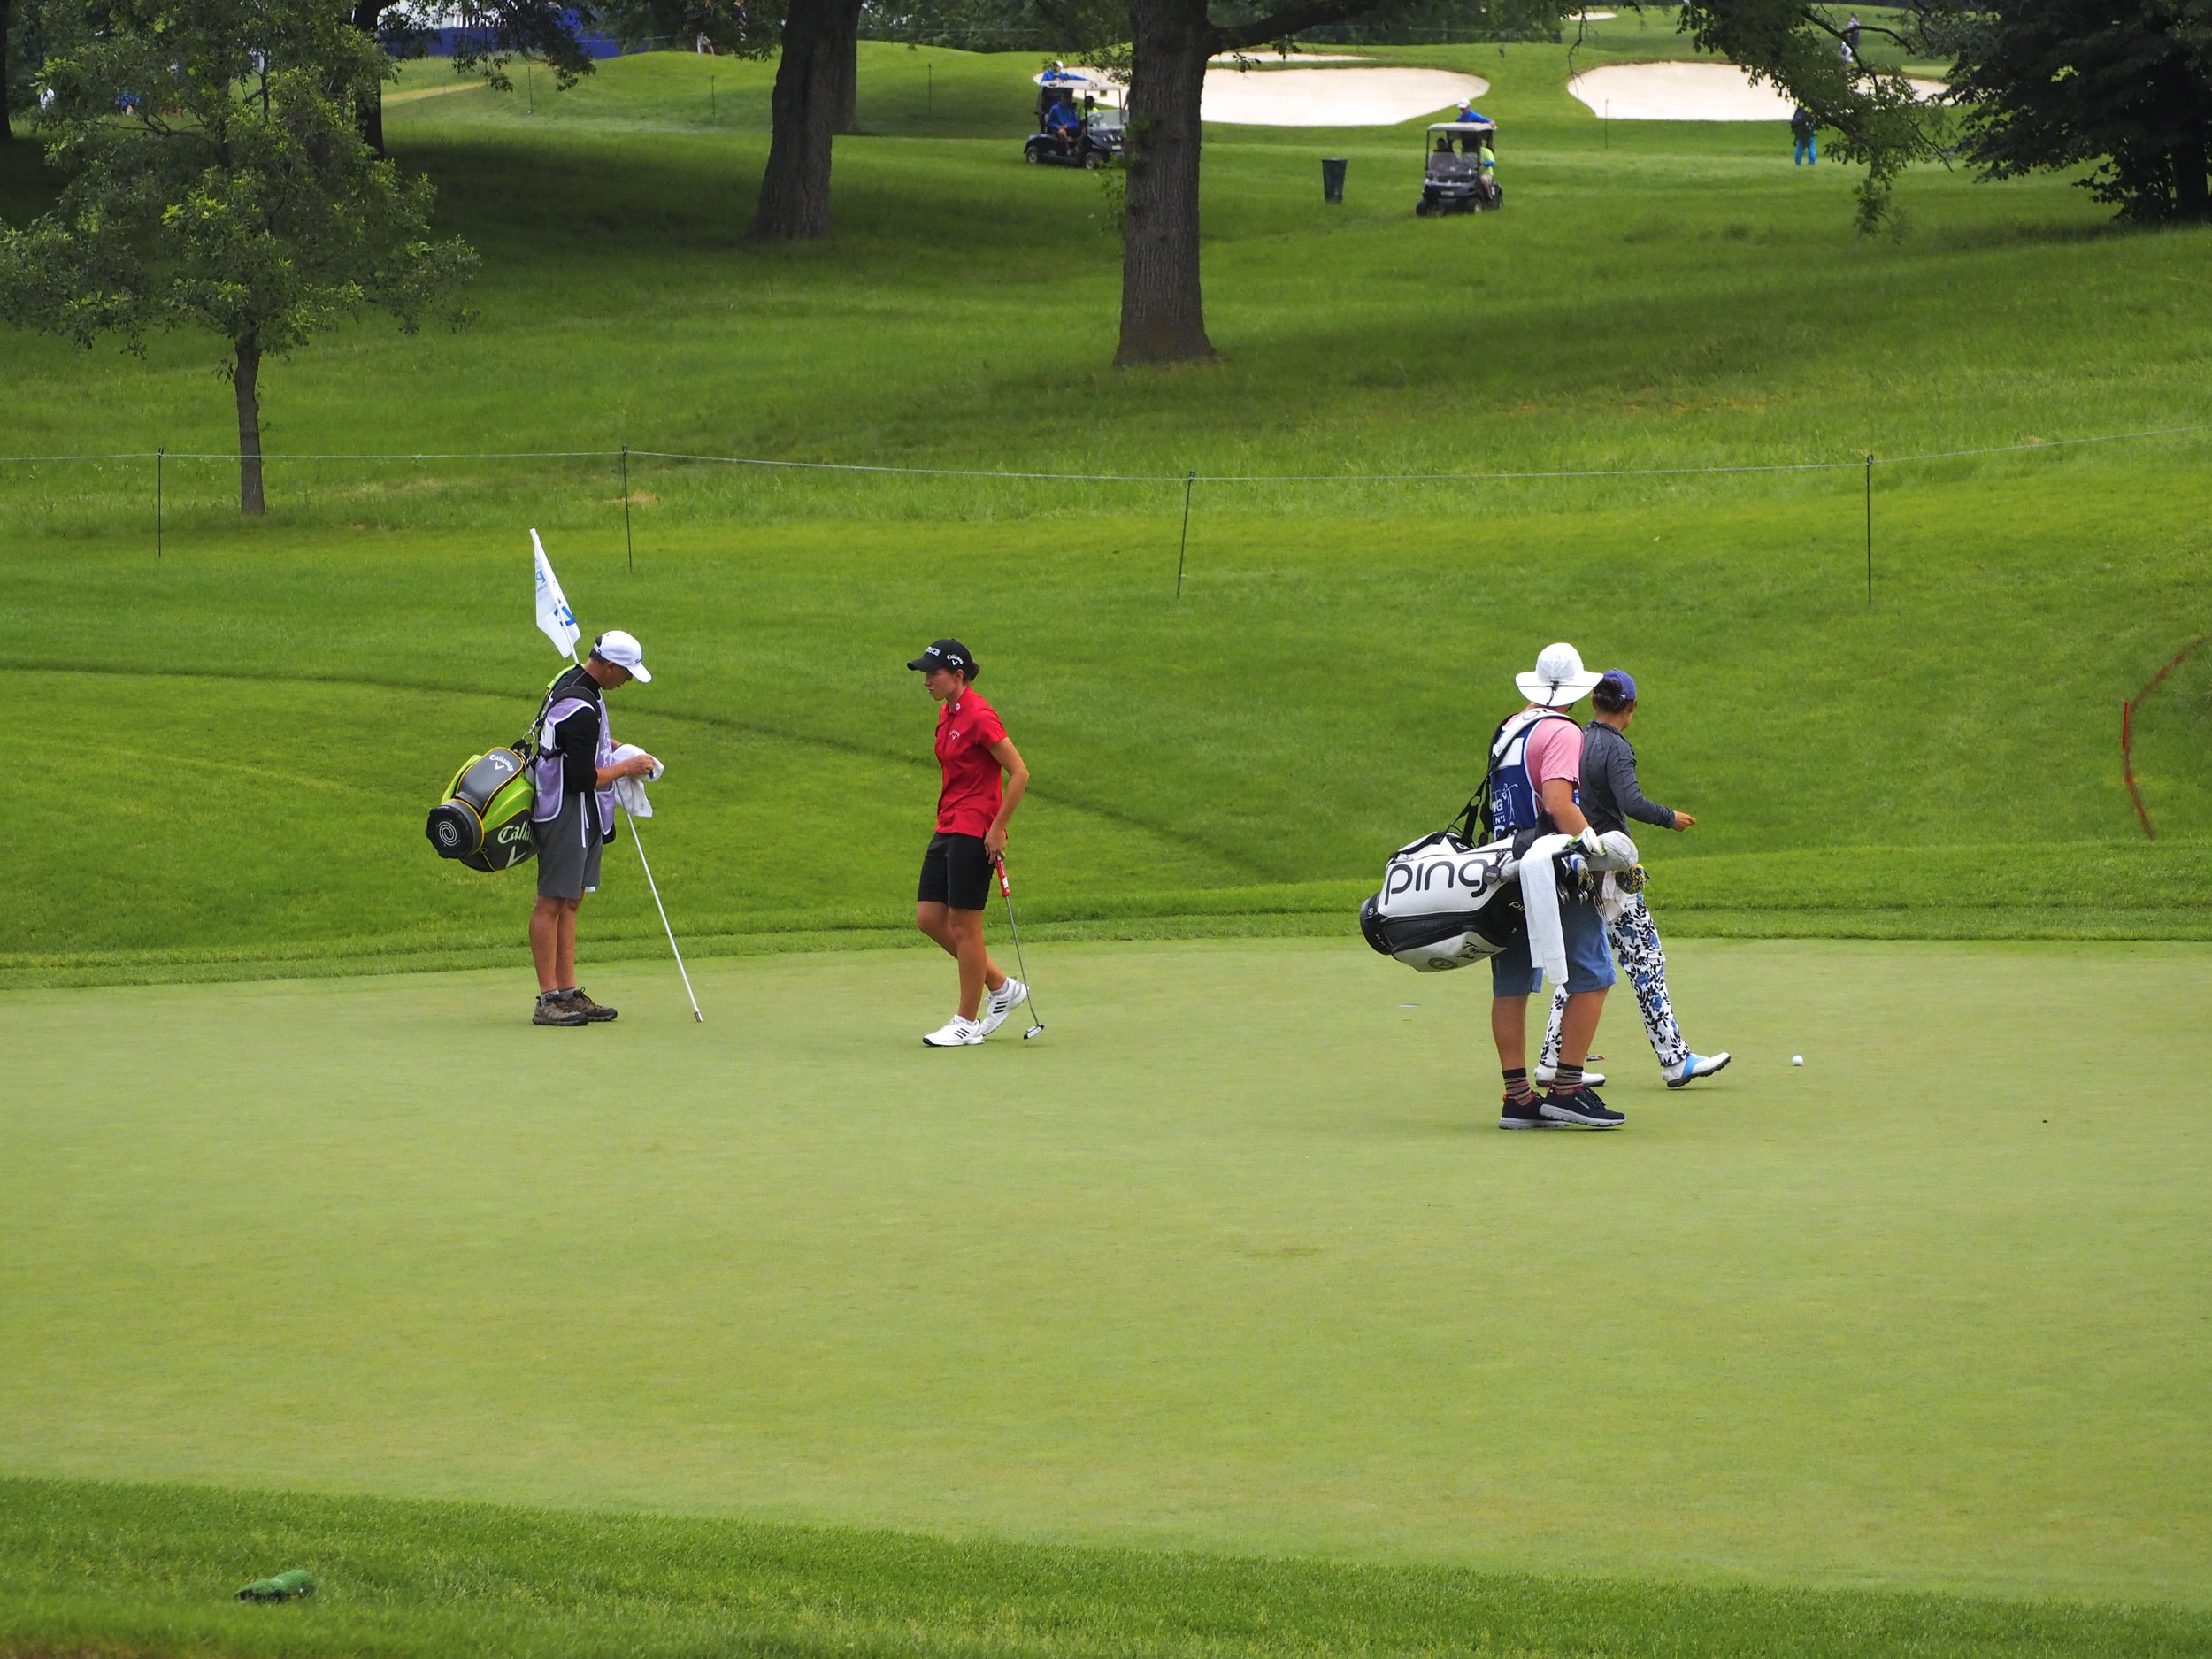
[955, 872]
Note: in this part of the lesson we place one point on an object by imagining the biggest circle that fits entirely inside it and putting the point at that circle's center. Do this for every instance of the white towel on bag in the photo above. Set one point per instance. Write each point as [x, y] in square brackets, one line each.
[629, 790]
[1539, 902]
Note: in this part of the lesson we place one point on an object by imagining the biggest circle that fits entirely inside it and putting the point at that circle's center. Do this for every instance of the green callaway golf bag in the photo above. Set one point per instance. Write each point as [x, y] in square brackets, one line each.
[484, 820]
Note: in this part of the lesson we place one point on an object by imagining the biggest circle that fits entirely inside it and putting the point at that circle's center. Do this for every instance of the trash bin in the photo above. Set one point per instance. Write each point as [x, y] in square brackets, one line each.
[1333, 179]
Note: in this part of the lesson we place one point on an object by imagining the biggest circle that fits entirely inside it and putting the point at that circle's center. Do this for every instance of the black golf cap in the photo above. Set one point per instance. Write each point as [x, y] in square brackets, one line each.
[948, 654]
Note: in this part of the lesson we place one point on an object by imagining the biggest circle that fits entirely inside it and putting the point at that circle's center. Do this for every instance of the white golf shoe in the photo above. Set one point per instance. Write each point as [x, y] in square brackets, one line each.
[1002, 1002]
[956, 1033]
[1695, 1066]
[1550, 1074]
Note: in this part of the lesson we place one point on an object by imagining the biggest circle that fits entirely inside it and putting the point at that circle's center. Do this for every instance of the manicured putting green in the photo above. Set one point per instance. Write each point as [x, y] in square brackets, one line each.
[1231, 1257]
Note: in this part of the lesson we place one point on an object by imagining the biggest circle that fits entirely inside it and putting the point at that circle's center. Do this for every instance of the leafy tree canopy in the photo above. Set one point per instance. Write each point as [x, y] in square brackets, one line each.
[2124, 84]
[217, 180]
[1819, 58]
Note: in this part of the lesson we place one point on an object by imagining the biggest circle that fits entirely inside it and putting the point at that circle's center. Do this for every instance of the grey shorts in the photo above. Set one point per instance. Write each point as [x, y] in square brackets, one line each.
[568, 850]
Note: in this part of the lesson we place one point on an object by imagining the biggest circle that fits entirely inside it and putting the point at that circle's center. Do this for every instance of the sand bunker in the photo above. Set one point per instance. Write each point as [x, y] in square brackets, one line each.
[1332, 98]
[1690, 92]
[1270, 97]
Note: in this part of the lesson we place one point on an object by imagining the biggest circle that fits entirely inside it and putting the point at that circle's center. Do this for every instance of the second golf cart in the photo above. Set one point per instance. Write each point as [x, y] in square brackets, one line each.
[1092, 139]
[1460, 178]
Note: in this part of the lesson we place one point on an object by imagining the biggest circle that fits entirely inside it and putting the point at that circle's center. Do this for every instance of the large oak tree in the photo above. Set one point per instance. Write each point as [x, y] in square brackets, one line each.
[1163, 306]
[2124, 84]
[815, 96]
[812, 102]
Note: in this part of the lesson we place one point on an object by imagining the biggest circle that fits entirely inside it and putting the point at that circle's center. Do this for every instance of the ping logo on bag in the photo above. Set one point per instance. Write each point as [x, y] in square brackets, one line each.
[1475, 872]
[1444, 903]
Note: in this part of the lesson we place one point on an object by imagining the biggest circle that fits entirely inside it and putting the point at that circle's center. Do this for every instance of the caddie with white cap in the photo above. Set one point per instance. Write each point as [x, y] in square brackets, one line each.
[572, 816]
[1535, 765]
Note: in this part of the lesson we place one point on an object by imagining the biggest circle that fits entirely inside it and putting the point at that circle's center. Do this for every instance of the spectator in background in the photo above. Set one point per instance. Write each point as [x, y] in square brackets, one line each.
[1802, 130]
[1062, 123]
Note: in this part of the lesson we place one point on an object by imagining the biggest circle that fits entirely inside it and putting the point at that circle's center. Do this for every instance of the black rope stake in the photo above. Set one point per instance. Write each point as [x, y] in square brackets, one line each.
[1869, 530]
[1180, 552]
[628, 547]
[158, 452]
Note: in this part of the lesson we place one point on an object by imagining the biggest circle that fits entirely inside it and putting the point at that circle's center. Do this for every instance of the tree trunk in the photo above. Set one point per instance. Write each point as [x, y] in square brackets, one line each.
[848, 86]
[1162, 313]
[245, 380]
[818, 36]
[367, 16]
[2192, 204]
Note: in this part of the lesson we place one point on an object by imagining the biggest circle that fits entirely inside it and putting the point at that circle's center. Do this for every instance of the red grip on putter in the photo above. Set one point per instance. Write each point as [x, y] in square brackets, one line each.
[1004, 886]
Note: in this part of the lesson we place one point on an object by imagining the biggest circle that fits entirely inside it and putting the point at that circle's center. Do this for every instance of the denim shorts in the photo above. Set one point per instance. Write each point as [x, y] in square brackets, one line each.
[1589, 964]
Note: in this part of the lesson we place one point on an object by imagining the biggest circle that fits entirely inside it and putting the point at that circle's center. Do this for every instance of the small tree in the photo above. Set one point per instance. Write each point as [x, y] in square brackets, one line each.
[217, 178]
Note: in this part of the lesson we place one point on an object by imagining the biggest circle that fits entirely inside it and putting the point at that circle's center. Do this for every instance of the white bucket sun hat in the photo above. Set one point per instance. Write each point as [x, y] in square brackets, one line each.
[1560, 680]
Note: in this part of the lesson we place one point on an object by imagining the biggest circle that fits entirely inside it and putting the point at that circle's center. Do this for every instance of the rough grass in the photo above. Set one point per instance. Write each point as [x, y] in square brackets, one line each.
[148, 1571]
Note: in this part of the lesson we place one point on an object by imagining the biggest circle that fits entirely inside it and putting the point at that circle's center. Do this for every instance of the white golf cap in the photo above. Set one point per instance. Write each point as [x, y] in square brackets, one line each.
[623, 651]
[1559, 680]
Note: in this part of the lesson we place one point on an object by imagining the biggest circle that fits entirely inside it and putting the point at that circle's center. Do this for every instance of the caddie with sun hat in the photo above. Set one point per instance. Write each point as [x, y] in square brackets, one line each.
[572, 816]
[1535, 765]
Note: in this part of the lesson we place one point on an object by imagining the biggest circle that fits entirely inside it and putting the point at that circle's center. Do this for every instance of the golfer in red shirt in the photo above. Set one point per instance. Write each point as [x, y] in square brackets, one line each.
[972, 747]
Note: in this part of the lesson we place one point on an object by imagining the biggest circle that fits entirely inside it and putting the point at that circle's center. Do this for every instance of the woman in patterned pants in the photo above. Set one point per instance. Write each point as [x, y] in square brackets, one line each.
[1609, 796]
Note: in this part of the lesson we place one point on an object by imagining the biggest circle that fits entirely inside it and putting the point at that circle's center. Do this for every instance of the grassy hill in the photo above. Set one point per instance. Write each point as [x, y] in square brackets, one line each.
[237, 742]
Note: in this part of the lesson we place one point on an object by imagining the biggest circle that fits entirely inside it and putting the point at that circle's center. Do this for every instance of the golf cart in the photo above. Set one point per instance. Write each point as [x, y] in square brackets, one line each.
[1457, 180]
[1097, 140]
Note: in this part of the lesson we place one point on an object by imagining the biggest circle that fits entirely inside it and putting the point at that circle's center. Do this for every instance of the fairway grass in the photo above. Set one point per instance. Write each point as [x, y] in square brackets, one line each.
[1231, 1259]
[1224, 729]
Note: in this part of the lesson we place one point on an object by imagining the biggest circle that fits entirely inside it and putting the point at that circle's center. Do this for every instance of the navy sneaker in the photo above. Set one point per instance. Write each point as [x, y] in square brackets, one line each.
[1582, 1109]
[1523, 1116]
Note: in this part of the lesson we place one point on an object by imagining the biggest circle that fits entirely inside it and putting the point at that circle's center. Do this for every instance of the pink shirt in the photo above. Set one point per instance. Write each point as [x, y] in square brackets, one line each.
[1555, 750]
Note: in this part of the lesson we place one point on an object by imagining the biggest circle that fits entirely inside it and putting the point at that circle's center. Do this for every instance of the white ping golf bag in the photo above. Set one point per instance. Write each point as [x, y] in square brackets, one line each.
[1445, 904]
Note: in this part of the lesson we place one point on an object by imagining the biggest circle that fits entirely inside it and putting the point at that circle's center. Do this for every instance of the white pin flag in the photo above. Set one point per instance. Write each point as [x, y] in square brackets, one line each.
[556, 620]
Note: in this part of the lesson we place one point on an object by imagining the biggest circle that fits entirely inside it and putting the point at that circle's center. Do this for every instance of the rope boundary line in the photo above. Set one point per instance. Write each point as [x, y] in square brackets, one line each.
[1858, 461]
[2128, 706]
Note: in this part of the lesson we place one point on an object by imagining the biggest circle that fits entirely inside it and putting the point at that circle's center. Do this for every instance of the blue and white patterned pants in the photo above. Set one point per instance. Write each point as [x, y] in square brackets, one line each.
[1634, 937]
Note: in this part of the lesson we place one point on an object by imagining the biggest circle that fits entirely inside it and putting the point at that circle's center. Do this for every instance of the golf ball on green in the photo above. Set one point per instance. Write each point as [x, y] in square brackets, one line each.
[1797, 1059]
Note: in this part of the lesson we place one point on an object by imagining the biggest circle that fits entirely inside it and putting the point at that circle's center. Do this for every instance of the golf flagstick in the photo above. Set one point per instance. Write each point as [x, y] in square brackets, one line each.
[662, 909]
[1006, 892]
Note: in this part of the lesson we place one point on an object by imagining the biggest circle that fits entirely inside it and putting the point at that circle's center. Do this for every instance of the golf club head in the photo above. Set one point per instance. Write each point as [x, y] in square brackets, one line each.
[1033, 1030]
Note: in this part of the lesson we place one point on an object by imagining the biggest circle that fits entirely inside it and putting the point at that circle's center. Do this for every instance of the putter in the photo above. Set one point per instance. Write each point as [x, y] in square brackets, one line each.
[657, 905]
[1006, 892]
